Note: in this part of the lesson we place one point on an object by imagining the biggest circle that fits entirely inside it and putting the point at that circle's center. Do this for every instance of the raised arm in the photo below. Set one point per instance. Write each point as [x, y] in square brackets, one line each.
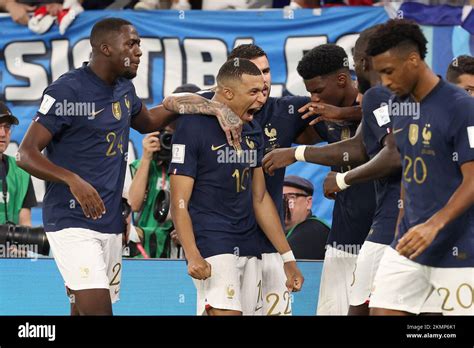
[181, 189]
[347, 152]
[32, 160]
[269, 220]
[385, 163]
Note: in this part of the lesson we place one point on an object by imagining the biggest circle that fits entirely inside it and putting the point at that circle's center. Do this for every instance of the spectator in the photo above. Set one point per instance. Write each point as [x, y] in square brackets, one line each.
[149, 178]
[461, 73]
[16, 186]
[306, 234]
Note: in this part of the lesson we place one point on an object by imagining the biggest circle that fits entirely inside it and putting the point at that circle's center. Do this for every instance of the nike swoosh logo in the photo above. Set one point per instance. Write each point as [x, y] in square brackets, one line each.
[94, 114]
[214, 148]
[395, 131]
[258, 308]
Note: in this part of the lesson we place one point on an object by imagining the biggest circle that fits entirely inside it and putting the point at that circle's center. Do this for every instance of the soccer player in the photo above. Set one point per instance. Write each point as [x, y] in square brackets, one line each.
[280, 119]
[213, 189]
[461, 73]
[326, 76]
[83, 122]
[434, 129]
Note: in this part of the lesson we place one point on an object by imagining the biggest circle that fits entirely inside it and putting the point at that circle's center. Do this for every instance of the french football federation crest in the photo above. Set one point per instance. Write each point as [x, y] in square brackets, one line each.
[271, 133]
[127, 103]
[117, 110]
[413, 133]
[345, 133]
[250, 143]
[426, 134]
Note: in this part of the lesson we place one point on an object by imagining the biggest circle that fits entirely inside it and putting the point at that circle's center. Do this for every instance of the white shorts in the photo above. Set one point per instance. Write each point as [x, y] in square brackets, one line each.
[88, 259]
[405, 285]
[233, 285]
[366, 267]
[276, 297]
[336, 280]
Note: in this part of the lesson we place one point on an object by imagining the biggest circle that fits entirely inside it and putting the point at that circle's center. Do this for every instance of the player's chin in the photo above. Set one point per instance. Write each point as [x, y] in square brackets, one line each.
[130, 73]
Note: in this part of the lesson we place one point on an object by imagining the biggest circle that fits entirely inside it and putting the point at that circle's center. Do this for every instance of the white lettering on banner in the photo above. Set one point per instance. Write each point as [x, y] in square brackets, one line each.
[142, 81]
[295, 48]
[204, 57]
[198, 62]
[59, 65]
[81, 52]
[348, 42]
[173, 66]
[34, 73]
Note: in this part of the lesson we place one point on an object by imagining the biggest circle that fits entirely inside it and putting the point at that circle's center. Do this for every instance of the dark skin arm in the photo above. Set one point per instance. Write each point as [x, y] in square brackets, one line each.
[385, 163]
[327, 112]
[419, 237]
[347, 152]
[32, 160]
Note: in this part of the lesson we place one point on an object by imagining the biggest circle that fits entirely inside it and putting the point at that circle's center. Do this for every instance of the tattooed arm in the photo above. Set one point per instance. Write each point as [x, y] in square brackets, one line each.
[190, 103]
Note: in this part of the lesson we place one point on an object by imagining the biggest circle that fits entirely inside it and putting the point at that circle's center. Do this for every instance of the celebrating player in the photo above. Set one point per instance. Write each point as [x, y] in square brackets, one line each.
[433, 123]
[83, 122]
[281, 120]
[213, 189]
[326, 76]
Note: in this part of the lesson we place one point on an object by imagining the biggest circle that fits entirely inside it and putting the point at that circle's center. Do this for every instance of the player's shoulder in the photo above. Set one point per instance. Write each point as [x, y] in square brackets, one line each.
[196, 122]
[66, 86]
[377, 92]
[207, 93]
[459, 101]
[289, 100]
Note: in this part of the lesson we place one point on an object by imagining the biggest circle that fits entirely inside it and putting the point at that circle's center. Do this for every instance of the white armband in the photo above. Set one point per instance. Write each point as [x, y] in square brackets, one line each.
[288, 257]
[341, 183]
[299, 153]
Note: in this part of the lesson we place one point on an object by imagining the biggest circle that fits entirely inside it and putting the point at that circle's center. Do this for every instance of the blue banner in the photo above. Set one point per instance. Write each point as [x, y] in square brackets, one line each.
[189, 47]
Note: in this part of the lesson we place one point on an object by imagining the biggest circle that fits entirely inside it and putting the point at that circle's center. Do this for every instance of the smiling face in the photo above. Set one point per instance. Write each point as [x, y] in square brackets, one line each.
[125, 52]
[264, 66]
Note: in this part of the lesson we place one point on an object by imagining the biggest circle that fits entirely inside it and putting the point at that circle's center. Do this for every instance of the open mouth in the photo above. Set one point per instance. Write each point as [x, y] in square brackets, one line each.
[250, 112]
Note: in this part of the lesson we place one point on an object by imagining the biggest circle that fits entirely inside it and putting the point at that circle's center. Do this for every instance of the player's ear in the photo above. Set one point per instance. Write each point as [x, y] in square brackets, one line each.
[342, 80]
[105, 49]
[414, 59]
[228, 93]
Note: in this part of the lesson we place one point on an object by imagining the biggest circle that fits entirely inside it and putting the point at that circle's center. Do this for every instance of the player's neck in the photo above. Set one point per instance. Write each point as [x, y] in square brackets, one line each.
[427, 81]
[107, 76]
[221, 99]
[350, 96]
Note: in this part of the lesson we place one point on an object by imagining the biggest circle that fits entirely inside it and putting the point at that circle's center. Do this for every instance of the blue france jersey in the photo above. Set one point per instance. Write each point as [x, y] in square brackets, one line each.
[281, 124]
[89, 121]
[376, 125]
[221, 202]
[354, 207]
[434, 142]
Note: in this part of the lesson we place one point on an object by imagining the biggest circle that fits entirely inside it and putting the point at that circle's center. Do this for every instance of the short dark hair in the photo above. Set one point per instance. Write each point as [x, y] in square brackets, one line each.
[363, 39]
[322, 60]
[461, 65]
[247, 51]
[397, 33]
[234, 69]
[104, 27]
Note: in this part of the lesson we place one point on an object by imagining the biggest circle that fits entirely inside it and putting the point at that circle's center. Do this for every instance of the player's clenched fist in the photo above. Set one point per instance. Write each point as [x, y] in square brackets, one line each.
[198, 268]
[278, 158]
[330, 186]
[294, 278]
[87, 196]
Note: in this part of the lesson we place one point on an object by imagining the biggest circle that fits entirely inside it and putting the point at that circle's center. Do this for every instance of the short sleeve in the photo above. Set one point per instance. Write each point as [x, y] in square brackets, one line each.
[136, 103]
[185, 146]
[293, 104]
[375, 112]
[52, 113]
[260, 150]
[30, 197]
[462, 129]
